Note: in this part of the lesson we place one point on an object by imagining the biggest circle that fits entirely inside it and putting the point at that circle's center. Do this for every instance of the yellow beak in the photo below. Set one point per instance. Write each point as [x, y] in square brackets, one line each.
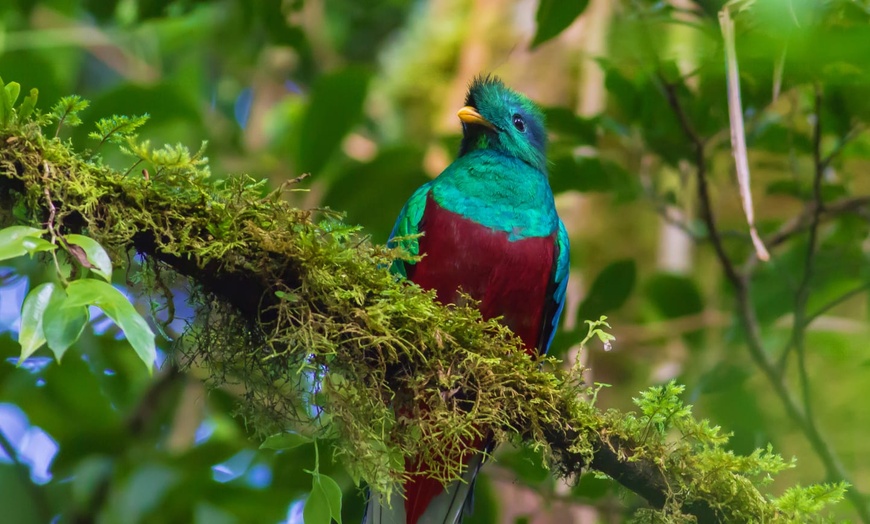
[469, 115]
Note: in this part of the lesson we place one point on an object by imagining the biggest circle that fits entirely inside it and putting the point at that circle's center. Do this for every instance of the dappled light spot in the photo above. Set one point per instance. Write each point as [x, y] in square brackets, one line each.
[294, 512]
[33, 364]
[33, 446]
[234, 467]
[10, 303]
[204, 431]
[259, 476]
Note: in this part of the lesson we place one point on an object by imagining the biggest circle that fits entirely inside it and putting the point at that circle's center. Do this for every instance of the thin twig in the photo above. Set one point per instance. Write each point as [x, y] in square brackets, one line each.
[127, 172]
[802, 221]
[853, 133]
[703, 191]
[833, 467]
[748, 319]
[673, 216]
[52, 213]
[798, 338]
[836, 302]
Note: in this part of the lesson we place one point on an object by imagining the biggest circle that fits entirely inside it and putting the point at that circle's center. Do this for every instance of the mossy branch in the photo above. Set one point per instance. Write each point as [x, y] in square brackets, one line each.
[298, 310]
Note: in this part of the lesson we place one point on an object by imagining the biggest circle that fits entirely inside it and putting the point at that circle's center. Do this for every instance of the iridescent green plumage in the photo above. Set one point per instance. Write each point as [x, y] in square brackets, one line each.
[489, 229]
[499, 179]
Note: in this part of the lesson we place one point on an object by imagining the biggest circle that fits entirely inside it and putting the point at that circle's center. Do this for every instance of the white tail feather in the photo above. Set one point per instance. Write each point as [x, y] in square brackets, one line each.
[446, 508]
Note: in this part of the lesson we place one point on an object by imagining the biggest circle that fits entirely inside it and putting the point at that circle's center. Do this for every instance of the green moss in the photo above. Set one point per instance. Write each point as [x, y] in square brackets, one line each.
[297, 312]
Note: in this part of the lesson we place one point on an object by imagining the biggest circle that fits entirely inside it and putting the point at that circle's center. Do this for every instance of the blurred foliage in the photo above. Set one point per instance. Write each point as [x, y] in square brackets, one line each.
[356, 92]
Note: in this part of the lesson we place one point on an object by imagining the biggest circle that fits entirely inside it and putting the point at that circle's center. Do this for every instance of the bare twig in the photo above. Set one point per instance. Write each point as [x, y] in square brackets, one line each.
[795, 226]
[836, 302]
[853, 133]
[127, 172]
[52, 213]
[834, 468]
[673, 216]
[823, 449]
[798, 339]
[703, 191]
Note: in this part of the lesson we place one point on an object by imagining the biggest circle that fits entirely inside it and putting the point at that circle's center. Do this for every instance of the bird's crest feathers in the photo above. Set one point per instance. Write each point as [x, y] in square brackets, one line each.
[518, 123]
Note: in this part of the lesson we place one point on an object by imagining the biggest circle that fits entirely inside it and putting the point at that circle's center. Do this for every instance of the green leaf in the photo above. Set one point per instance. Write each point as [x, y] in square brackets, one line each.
[282, 441]
[787, 187]
[333, 496]
[16, 241]
[92, 292]
[674, 295]
[96, 255]
[584, 174]
[16, 497]
[564, 122]
[526, 464]
[317, 509]
[592, 486]
[587, 174]
[336, 106]
[27, 105]
[800, 501]
[13, 89]
[90, 473]
[62, 325]
[145, 490]
[66, 110]
[554, 16]
[5, 106]
[30, 335]
[118, 128]
[35, 245]
[324, 501]
[610, 289]
[390, 177]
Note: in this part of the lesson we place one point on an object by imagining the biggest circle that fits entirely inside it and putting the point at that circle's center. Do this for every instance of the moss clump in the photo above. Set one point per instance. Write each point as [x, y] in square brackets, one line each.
[298, 310]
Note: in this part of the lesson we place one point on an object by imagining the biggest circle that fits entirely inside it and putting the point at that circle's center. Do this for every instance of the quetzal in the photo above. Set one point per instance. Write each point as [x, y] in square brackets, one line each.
[490, 229]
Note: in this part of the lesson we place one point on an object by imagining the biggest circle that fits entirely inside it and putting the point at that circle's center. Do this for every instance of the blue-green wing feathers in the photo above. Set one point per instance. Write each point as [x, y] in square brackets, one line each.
[407, 226]
[559, 286]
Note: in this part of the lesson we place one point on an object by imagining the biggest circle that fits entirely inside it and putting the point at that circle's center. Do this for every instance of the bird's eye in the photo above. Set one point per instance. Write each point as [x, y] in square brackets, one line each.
[519, 123]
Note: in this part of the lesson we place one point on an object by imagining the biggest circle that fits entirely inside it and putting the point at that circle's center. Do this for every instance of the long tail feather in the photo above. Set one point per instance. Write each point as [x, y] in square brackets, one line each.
[447, 508]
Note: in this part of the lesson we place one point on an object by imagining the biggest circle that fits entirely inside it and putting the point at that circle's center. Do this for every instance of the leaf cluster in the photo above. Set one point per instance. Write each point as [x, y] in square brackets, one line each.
[56, 313]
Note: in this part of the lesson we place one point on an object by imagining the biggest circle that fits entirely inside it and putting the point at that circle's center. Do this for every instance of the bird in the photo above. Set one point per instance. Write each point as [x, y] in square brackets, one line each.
[489, 229]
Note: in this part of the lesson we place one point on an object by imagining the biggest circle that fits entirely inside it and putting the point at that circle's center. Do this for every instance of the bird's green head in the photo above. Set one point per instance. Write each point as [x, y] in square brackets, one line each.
[496, 117]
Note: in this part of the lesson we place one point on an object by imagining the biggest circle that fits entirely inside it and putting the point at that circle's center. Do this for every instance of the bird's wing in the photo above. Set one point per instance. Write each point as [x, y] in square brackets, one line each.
[407, 225]
[558, 285]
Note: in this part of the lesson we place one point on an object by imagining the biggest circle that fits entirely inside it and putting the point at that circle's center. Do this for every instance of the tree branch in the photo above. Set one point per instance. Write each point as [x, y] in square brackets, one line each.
[797, 225]
[857, 290]
[853, 133]
[798, 338]
[703, 190]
